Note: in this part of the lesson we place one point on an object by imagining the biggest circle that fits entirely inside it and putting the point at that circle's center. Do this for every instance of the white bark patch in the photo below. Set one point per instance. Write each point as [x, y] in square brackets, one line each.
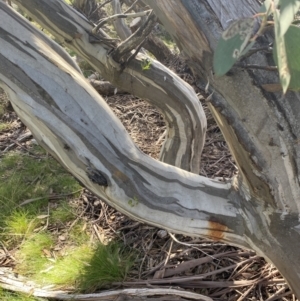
[191, 199]
[181, 128]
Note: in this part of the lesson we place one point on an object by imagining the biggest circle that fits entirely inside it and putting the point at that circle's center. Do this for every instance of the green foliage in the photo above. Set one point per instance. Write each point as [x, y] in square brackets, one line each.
[292, 40]
[288, 10]
[281, 56]
[238, 39]
[66, 270]
[283, 19]
[21, 224]
[41, 255]
[232, 45]
[133, 202]
[146, 64]
[4, 126]
[85, 267]
[78, 235]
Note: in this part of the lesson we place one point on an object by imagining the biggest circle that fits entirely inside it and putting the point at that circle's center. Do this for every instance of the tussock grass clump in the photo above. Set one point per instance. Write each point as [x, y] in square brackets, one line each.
[109, 263]
[31, 256]
[85, 268]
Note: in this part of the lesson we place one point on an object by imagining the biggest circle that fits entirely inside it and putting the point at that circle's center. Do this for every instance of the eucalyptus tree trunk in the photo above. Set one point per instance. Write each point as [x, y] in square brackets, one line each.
[184, 116]
[258, 209]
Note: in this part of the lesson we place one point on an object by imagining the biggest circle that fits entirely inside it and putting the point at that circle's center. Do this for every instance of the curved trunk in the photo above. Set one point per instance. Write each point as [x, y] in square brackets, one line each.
[69, 119]
[262, 129]
[258, 210]
[177, 101]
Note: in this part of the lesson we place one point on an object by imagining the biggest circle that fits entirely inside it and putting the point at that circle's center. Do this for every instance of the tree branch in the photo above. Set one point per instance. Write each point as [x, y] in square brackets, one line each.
[115, 17]
[121, 28]
[136, 39]
[71, 120]
[185, 118]
[9, 280]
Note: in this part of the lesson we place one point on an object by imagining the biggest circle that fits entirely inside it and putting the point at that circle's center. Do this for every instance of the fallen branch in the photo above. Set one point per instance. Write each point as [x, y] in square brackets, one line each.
[9, 280]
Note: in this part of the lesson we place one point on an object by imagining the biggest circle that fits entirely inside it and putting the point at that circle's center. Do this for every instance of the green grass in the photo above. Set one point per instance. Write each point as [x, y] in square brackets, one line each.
[12, 296]
[62, 214]
[109, 263]
[67, 269]
[78, 235]
[26, 177]
[4, 126]
[20, 224]
[31, 256]
[33, 230]
[85, 268]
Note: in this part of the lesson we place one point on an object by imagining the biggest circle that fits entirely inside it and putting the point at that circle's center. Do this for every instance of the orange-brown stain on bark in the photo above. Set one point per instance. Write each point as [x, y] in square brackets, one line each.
[216, 230]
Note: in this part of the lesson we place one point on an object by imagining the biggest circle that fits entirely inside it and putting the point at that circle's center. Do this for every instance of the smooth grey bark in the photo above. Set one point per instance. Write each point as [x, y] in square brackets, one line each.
[71, 120]
[184, 116]
[121, 27]
[262, 129]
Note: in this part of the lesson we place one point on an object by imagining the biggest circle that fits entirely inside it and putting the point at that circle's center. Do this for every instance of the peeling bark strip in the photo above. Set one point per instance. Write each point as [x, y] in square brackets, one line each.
[185, 118]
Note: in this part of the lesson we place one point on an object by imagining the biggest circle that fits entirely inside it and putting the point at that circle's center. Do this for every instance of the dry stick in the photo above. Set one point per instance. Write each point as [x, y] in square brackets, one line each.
[114, 17]
[169, 253]
[137, 50]
[78, 218]
[183, 280]
[131, 7]
[245, 294]
[136, 39]
[49, 197]
[18, 283]
[279, 294]
[105, 2]
[6, 251]
[196, 262]
[189, 245]
[97, 233]
[22, 138]
[253, 66]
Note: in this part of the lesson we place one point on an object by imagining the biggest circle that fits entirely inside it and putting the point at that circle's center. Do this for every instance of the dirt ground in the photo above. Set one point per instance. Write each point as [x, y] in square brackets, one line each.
[211, 268]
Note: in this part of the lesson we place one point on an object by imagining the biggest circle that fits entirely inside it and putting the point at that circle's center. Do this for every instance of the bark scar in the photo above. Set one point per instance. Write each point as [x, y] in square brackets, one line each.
[95, 175]
[216, 230]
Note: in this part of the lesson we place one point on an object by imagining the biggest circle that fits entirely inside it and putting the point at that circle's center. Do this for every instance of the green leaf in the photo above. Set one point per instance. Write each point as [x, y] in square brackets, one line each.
[292, 42]
[280, 54]
[232, 44]
[288, 10]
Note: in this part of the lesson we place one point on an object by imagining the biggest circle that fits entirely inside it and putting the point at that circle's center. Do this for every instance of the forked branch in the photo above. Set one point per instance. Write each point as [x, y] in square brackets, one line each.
[185, 118]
